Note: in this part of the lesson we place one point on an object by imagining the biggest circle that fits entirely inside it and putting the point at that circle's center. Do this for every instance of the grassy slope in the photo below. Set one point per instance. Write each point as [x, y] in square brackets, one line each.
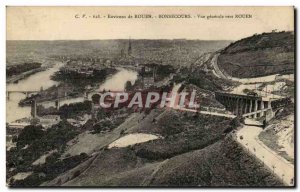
[222, 164]
[259, 55]
[188, 132]
[194, 154]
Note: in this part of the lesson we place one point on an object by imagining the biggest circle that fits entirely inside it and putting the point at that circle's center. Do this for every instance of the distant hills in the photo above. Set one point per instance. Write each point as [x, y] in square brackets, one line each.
[172, 52]
[259, 55]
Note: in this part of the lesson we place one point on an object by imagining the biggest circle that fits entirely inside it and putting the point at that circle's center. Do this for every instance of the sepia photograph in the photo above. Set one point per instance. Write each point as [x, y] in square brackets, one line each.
[145, 96]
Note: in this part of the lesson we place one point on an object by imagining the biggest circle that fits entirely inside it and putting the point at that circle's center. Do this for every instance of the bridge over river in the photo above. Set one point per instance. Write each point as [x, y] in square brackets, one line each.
[27, 93]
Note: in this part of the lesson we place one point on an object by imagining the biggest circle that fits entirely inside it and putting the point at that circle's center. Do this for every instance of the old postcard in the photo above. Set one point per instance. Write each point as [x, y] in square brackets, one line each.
[150, 97]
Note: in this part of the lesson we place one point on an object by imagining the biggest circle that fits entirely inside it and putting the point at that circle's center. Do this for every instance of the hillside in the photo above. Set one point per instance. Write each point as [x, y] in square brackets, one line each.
[196, 153]
[259, 55]
[223, 163]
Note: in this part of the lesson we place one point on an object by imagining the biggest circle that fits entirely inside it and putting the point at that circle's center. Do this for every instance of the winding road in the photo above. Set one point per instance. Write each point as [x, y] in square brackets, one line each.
[281, 167]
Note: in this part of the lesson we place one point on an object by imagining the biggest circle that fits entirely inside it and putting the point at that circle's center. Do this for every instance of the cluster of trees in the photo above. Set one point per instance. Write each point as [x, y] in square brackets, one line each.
[201, 80]
[50, 170]
[33, 141]
[81, 79]
[107, 125]
[18, 69]
[73, 109]
[67, 110]
[161, 71]
[188, 132]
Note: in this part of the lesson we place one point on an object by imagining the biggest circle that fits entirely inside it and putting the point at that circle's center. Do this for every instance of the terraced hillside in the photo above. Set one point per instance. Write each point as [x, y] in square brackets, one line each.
[259, 55]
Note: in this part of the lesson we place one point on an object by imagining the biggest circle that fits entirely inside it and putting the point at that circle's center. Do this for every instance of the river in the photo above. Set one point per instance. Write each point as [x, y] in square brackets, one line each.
[31, 83]
[34, 82]
[117, 81]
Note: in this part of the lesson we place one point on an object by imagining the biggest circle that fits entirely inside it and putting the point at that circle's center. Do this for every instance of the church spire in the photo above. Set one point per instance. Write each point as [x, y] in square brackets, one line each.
[129, 47]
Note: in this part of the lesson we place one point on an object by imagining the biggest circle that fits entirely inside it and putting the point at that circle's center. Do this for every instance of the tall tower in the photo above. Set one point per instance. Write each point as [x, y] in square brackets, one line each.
[122, 53]
[33, 109]
[129, 47]
[57, 102]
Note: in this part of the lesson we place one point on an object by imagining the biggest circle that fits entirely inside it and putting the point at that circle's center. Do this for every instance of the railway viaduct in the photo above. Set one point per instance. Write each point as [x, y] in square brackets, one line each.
[251, 106]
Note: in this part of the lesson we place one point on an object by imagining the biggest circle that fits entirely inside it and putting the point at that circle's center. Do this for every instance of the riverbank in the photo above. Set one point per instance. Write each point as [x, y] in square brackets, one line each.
[16, 78]
[33, 82]
[71, 85]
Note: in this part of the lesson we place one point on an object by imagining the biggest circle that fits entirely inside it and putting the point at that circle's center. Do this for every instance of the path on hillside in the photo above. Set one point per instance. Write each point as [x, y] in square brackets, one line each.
[216, 69]
[205, 112]
[147, 181]
[281, 167]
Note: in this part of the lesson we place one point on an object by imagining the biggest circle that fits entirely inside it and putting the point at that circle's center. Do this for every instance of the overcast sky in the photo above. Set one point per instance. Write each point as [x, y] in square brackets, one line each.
[59, 23]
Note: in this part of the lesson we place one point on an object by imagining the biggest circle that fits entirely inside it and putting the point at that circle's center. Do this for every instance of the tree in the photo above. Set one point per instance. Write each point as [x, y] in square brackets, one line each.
[96, 98]
[34, 121]
[52, 158]
[128, 86]
[29, 134]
